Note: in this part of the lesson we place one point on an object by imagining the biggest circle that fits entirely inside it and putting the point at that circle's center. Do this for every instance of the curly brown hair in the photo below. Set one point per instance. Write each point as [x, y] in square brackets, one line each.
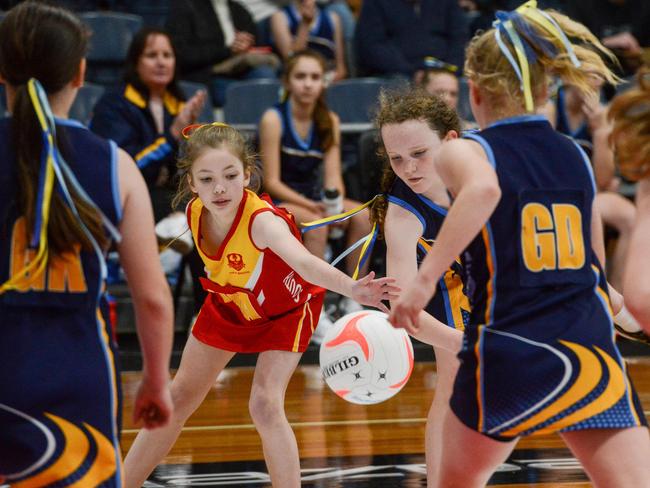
[398, 106]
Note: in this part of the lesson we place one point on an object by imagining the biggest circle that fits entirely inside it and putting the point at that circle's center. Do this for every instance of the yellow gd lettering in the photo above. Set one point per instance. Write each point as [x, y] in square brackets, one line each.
[568, 230]
[552, 241]
[537, 238]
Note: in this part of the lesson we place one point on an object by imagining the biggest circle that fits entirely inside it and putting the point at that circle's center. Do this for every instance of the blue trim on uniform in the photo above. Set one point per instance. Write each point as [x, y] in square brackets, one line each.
[486, 147]
[116, 181]
[410, 208]
[445, 297]
[432, 205]
[590, 170]
[303, 143]
[518, 119]
[70, 123]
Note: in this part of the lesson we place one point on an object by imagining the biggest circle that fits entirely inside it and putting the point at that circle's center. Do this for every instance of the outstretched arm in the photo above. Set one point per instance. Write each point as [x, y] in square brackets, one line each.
[270, 231]
[467, 173]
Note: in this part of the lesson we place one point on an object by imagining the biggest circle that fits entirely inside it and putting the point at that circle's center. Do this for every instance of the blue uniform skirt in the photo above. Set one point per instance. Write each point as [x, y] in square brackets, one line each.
[59, 399]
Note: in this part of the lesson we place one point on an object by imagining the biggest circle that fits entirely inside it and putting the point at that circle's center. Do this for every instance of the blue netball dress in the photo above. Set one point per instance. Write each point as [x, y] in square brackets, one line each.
[300, 159]
[450, 305]
[539, 353]
[321, 34]
[59, 421]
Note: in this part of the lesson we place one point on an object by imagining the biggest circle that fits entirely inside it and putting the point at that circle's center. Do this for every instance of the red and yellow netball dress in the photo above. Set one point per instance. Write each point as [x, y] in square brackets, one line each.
[256, 302]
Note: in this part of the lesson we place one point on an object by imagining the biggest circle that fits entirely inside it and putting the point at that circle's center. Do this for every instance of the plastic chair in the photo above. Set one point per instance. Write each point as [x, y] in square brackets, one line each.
[246, 101]
[189, 88]
[84, 103]
[355, 99]
[112, 33]
[153, 12]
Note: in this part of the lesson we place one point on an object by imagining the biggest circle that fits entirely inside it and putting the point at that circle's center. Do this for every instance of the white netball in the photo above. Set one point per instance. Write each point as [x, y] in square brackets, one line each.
[364, 359]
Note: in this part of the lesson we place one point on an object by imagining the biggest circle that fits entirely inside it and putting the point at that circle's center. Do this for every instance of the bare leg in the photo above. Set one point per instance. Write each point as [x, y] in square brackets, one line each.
[446, 366]
[358, 226]
[469, 458]
[613, 457]
[266, 405]
[315, 240]
[200, 365]
[619, 213]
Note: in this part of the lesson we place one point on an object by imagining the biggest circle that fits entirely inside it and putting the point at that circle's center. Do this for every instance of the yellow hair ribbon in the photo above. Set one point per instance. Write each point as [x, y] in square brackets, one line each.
[523, 64]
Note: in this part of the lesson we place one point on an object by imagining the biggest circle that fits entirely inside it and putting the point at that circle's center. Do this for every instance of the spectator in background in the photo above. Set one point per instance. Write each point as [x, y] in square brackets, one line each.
[299, 139]
[621, 25]
[394, 36]
[302, 25]
[216, 42]
[441, 79]
[146, 114]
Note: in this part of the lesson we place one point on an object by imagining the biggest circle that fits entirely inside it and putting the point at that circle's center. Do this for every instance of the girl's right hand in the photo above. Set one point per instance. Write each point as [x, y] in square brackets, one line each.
[153, 405]
[371, 292]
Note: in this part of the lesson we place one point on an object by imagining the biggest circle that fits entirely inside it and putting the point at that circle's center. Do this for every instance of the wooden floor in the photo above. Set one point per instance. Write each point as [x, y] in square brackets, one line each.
[341, 444]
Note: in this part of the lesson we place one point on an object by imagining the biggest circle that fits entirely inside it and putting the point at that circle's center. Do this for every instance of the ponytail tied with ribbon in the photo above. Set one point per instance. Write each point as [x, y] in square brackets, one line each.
[514, 27]
[54, 175]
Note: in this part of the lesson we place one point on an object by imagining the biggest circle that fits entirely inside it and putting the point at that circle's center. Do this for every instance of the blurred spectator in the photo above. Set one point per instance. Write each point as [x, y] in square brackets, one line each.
[441, 79]
[394, 36]
[216, 42]
[621, 25]
[302, 25]
[146, 114]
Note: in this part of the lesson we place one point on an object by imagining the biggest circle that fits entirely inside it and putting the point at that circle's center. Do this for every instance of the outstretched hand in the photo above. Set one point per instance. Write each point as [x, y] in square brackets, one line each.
[370, 291]
[153, 406]
[405, 311]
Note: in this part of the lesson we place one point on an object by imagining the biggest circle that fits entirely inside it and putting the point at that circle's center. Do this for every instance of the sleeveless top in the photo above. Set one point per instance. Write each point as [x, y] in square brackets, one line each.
[450, 305]
[300, 159]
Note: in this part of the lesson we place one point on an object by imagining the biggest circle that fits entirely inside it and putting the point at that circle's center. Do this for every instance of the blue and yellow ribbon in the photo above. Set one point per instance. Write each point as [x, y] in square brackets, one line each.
[367, 241]
[508, 24]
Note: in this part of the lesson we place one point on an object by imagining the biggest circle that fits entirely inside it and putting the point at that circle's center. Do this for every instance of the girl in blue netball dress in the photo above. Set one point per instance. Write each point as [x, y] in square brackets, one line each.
[413, 125]
[538, 353]
[61, 190]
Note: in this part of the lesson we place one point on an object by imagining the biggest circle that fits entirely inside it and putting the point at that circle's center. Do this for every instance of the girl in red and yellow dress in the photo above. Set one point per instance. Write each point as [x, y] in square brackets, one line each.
[264, 296]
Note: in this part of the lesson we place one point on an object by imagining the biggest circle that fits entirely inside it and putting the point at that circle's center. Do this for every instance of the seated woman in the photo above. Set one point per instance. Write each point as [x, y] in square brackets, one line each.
[298, 138]
[146, 114]
[303, 25]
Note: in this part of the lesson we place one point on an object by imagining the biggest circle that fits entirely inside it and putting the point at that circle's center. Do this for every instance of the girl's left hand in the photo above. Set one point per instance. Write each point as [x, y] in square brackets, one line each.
[369, 291]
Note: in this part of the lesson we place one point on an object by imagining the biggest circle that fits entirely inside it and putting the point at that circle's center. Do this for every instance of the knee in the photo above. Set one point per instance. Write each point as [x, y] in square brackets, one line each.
[185, 401]
[265, 408]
